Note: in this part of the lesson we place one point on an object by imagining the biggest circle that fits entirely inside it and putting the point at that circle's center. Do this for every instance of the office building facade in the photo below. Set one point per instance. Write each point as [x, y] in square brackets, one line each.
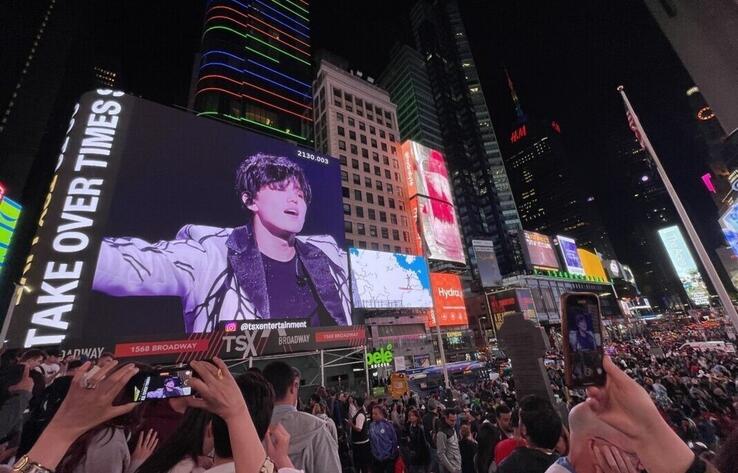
[356, 122]
[482, 191]
[254, 67]
[406, 80]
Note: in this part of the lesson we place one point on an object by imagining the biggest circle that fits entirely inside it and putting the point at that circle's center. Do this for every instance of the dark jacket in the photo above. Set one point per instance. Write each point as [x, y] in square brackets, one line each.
[527, 460]
[416, 445]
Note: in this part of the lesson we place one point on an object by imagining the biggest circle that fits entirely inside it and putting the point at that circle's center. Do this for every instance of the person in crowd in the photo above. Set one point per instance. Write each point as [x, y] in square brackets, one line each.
[467, 448]
[86, 407]
[540, 427]
[312, 445]
[16, 387]
[188, 450]
[359, 427]
[382, 441]
[417, 457]
[398, 416]
[164, 415]
[33, 358]
[504, 448]
[319, 411]
[486, 442]
[51, 366]
[431, 422]
[447, 443]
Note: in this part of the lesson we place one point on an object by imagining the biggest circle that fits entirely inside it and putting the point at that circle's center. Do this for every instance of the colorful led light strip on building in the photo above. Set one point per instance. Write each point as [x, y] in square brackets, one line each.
[292, 11]
[252, 17]
[248, 84]
[243, 25]
[218, 89]
[257, 75]
[298, 23]
[277, 49]
[226, 28]
[248, 8]
[9, 214]
[217, 51]
[284, 132]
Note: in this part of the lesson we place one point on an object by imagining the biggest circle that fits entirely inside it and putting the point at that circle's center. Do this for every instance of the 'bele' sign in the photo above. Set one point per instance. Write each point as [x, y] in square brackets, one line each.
[380, 357]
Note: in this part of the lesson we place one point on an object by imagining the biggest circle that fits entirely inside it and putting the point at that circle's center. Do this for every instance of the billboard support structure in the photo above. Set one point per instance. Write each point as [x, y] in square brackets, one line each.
[727, 304]
[440, 348]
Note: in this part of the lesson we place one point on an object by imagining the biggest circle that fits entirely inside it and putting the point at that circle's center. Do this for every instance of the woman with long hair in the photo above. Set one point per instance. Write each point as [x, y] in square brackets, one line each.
[189, 450]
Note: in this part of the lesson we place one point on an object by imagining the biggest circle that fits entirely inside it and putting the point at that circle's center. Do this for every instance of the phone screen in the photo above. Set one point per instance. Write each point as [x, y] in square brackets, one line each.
[163, 384]
[582, 336]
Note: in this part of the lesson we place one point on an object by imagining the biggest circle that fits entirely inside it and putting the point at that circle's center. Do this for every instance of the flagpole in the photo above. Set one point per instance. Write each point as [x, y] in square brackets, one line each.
[727, 304]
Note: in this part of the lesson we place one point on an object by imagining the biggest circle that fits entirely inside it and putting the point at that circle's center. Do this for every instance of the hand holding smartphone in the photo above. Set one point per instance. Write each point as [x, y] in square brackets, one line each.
[159, 384]
[581, 328]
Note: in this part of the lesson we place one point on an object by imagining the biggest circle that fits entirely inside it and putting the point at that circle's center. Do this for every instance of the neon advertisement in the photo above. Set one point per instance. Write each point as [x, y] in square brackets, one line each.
[684, 265]
[539, 251]
[570, 255]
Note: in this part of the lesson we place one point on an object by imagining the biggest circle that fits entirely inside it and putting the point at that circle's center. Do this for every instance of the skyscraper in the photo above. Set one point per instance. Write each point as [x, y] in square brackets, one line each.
[549, 197]
[406, 79]
[481, 188]
[356, 122]
[254, 66]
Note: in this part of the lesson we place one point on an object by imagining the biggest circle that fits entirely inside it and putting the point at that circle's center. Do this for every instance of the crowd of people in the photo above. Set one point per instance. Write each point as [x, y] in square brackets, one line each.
[72, 416]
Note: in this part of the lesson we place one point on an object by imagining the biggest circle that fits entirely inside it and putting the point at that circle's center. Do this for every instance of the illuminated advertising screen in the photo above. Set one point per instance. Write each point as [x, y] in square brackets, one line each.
[729, 224]
[592, 264]
[489, 270]
[432, 203]
[614, 269]
[510, 301]
[684, 265]
[10, 211]
[161, 222]
[448, 299]
[382, 280]
[570, 255]
[539, 251]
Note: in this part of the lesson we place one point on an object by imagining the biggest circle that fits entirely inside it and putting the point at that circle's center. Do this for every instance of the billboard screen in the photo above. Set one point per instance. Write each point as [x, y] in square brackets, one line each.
[432, 203]
[592, 264]
[160, 222]
[10, 211]
[614, 269]
[510, 301]
[539, 251]
[729, 224]
[489, 270]
[382, 280]
[570, 255]
[684, 265]
[448, 301]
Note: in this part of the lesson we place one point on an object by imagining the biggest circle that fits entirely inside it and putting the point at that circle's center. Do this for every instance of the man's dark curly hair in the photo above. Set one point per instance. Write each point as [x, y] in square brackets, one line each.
[261, 170]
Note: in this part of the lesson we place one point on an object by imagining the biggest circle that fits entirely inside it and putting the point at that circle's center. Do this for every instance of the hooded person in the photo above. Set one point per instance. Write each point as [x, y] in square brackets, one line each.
[313, 447]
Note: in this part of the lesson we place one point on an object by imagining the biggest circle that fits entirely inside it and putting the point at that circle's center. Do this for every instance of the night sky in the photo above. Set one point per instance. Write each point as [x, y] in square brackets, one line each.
[565, 58]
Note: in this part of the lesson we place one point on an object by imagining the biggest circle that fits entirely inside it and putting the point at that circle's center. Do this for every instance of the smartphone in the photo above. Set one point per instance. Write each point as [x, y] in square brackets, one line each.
[159, 384]
[581, 328]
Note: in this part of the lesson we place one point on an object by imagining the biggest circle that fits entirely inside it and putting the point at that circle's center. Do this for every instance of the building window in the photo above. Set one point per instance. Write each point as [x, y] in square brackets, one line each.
[360, 229]
[374, 143]
[397, 249]
[357, 179]
[359, 102]
[396, 235]
[345, 192]
[380, 200]
[341, 131]
[362, 244]
[348, 227]
[349, 242]
[375, 156]
[351, 121]
[375, 246]
[391, 203]
[348, 97]
[388, 175]
[357, 195]
[385, 160]
[344, 176]
[384, 146]
[380, 187]
[382, 134]
[339, 117]
[336, 92]
[389, 188]
[385, 233]
[368, 182]
[392, 137]
[383, 216]
[372, 130]
[372, 214]
[367, 168]
[370, 197]
[362, 138]
[405, 236]
[377, 171]
[359, 211]
[346, 209]
[393, 219]
[373, 230]
[386, 247]
[352, 135]
[364, 153]
[355, 163]
[362, 126]
[354, 149]
[342, 145]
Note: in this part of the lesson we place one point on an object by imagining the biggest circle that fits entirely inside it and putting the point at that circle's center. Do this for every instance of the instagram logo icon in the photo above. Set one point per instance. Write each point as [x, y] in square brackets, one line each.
[231, 327]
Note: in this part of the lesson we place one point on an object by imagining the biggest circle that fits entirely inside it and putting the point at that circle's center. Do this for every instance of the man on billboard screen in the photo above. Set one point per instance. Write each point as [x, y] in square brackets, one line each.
[259, 270]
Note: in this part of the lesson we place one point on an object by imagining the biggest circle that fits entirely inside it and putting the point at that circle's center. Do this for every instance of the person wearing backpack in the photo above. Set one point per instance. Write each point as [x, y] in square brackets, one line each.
[383, 442]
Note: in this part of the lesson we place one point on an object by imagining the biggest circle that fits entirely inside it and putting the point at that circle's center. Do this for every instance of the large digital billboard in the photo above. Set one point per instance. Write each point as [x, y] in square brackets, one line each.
[684, 265]
[162, 225]
[489, 270]
[10, 211]
[729, 224]
[570, 255]
[382, 280]
[431, 203]
[539, 252]
[449, 308]
[592, 264]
